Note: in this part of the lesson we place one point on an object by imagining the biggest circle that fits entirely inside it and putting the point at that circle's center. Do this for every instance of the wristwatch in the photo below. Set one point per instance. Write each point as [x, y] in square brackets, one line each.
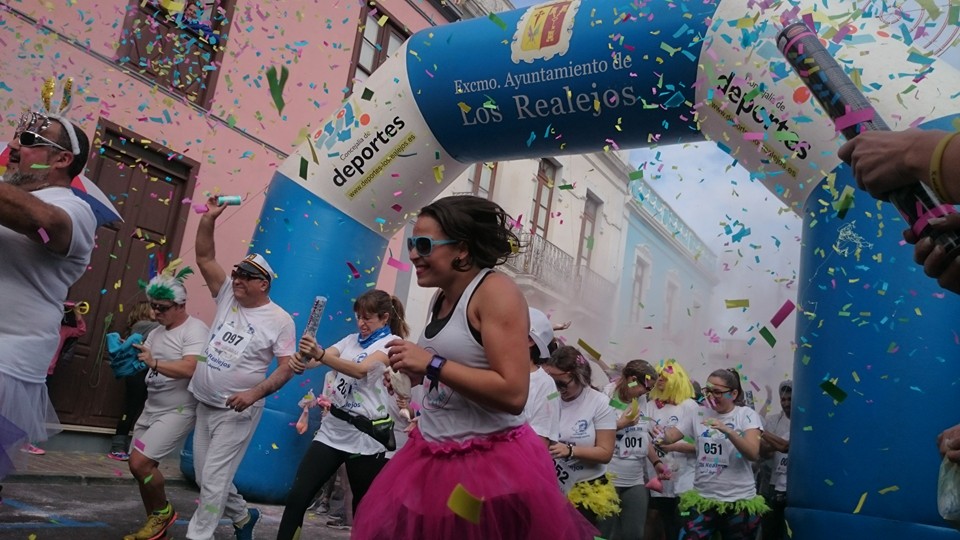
[433, 370]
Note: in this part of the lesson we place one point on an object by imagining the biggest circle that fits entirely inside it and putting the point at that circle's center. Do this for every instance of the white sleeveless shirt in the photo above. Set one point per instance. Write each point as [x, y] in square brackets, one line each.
[446, 415]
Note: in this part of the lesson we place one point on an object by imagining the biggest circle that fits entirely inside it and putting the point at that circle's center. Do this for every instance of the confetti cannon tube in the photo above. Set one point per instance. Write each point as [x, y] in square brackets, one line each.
[316, 313]
[852, 113]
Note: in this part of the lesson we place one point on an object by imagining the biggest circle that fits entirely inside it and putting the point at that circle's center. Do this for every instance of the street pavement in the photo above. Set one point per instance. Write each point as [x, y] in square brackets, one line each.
[38, 510]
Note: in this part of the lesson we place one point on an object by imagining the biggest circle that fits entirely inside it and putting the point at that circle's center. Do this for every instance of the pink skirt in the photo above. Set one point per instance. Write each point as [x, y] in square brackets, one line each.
[511, 471]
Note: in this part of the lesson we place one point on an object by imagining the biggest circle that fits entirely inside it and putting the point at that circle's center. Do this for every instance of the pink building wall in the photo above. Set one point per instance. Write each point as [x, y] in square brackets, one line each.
[315, 40]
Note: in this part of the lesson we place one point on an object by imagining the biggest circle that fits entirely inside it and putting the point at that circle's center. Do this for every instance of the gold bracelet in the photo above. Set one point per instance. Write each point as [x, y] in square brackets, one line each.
[936, 160]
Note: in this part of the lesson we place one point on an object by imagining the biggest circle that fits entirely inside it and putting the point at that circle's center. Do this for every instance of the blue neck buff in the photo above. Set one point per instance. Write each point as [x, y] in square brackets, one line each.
[375, 335]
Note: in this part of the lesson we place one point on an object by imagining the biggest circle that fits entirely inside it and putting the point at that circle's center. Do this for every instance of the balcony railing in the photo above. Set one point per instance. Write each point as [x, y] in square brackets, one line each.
[658, 209]
[544, 262]
[181, 57]
[554, 270]
[594, 291]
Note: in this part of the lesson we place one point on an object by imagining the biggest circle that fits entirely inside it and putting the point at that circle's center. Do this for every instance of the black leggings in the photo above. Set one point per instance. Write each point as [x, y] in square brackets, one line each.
[135, 395]
[318, 465]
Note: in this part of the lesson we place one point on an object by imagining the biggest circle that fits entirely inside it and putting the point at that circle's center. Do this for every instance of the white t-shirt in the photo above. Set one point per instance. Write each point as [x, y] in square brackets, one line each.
[723, 474]
[580, 418]
[243, 343]
[35, 282]
[542, 410]
[779, 425]
[188, 339]
[685, 417]
[630, 452]
[366, 397]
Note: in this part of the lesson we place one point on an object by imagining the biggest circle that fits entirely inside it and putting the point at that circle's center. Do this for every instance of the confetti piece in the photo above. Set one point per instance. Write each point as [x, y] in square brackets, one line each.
[833, 391]
[732, 304]
[590, 350]
[353, 269]
[465, 505]
[863, 498]
[497, 21]
[277, 84]
[43, 235]
[846, 202]
[399, 265]
[304, 167]
[886, 490]
[554, 395]
[148, 479]
[785, 310]
[138, 444]
[617, 404]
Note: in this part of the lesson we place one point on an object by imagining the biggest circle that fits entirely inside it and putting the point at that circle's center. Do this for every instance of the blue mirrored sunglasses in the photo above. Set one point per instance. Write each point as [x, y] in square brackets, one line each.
[424, 244]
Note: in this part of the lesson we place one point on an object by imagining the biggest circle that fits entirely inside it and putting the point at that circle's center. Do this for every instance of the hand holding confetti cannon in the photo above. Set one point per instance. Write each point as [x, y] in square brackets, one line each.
[853, 114]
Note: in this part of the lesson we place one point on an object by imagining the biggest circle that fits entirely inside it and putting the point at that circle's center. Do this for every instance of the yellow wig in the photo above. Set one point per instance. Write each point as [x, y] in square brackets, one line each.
[678, 387]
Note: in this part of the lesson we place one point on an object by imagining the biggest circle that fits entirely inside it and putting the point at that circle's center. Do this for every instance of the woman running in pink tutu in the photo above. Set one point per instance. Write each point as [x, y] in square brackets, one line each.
[473, 468]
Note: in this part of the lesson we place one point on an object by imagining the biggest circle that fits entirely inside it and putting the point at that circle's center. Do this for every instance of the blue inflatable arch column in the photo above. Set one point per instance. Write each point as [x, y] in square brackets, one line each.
[874, 326]
[575, 76]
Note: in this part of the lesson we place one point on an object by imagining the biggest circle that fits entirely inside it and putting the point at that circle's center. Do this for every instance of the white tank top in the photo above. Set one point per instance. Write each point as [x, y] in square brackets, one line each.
[445, 414]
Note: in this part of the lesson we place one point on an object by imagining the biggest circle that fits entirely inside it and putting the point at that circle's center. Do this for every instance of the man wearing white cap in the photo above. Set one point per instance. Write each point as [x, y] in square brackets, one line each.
[171, 353]
[542, 410]
[249, 330]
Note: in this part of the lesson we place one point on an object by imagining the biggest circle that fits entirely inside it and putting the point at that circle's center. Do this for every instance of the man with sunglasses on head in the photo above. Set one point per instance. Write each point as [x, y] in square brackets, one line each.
[46, 236]
[171, 353]
[248, 331]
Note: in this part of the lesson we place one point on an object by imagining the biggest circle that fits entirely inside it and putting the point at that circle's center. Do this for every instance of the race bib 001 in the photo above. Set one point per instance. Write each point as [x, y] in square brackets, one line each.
[633, 442]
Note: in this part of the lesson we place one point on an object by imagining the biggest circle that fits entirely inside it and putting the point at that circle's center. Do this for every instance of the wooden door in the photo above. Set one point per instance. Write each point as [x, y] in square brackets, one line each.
[147, 189]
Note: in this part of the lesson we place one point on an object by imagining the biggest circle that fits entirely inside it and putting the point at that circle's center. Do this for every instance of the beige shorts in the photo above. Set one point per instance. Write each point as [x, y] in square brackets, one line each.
[157, 434]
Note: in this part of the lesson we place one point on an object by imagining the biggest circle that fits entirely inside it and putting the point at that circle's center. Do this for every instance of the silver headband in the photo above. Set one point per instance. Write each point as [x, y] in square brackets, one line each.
[68, 125]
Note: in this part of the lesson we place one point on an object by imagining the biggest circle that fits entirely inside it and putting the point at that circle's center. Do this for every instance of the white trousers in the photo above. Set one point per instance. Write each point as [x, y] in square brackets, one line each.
[219, 443]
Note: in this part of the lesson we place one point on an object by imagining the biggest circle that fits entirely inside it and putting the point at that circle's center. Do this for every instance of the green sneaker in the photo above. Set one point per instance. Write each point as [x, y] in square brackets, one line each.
[156, 526]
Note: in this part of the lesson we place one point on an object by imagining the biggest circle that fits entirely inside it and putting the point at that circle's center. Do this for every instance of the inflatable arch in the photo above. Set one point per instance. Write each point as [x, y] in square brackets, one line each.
[575, 76]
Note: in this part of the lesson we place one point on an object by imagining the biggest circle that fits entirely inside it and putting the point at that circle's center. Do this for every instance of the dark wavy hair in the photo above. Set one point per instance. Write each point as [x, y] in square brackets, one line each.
[377, 302]
[480, 224]
[731, 378]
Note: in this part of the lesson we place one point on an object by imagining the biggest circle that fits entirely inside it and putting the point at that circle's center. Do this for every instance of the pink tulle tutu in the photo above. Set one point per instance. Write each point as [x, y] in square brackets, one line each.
[511, 471]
